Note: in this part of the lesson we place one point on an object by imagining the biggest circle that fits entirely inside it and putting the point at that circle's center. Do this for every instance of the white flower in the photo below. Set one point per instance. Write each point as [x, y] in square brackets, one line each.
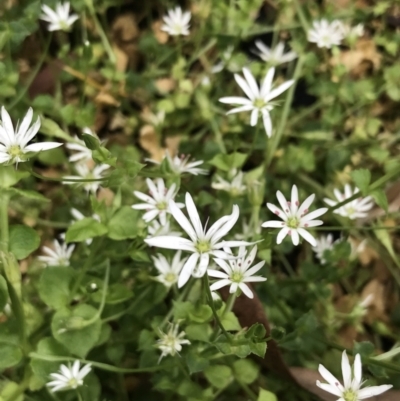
[181, 164]
[323, 243]
[169, 271]
[276, 55]
[176, 22]
[83, 153]
[14, 146]
[202, 243]
[326, 34]
[225, 57]
[85, 172]
[171, 343]
[237, 272]
[258, 99]
[69, 378]
[59, 18]
[235, 187]
[59, 256]
[295, 217]
[351, 32]
[352, 382]
[355, 209]
[157, 203]
[156, 229]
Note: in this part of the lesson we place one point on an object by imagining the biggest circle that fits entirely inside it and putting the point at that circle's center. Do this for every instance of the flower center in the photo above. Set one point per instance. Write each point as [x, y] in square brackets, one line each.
[162, 205]
[350, 395]
[170, 277]
[236, 277]
[74, 383]
[259, 103]
[203, 246]
[15, 151]
[64, 25]
[293, 222]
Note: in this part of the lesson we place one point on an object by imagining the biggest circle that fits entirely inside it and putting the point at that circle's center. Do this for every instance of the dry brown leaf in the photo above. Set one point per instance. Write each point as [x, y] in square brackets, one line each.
[106, 195]
[161, 36]
[125, 28]
[361, 59]
[165, 85]
[122, 59]
[106, 98]
[377, 306]
[150, 142]
[172, 143]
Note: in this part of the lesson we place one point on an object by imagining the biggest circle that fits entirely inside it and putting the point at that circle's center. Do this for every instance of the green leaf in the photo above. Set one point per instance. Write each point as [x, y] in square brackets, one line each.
[362, 179]
[104, 156]
[198, 332]
[84, 229]
[364, 348]
[218, 375]
[266, 395]
[69, 328]
[55, 286]
[116, 294]
[10, 354]
[380, 198]
[123, 224]
[3, 293]
[245, 371]
[229, 320]
[52, 129]
[191, 312]
[195, 362]
[9, 176]
[25, 193]
[91, 141]
[23, 241]
[227, 162]
[11, 392]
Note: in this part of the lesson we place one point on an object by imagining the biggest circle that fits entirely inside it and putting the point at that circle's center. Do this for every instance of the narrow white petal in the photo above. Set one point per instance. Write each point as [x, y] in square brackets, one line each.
[182, 220]
[346, 370]
[171, 242]
[373, 391]
[330, 389]
[280, 89]
[188, 269]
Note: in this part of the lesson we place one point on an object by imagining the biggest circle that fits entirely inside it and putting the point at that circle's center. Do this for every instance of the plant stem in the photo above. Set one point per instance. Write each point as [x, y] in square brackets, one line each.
[218, 135]
[4, 235]
[229, 304]
[211, 303]
[302, 17]
[275, 140]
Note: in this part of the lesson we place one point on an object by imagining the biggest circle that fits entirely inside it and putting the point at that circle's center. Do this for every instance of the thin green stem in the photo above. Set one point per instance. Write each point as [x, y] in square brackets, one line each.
[248, 391]
[218, 135]
[42, 177]
[302, 17]
[99, 365]
[255, 139]
[211, 303]
[229, 304]
[275, 140]
[4, 235]
[32, 76]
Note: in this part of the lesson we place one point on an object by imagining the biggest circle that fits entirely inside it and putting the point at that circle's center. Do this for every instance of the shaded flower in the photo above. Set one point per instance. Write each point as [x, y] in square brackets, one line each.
[325, 33]
[276, 55]
[258, 99]
[83, 153]
[176, 22]
[296, 218]
[323, 243]
[69, 378]
[171, 343]
[59, 19]
[169, 271]
[352, 381]
[14, 146]
[237, 272]
[351, 32]
[59, 255]
[202, 242]
[235, 187]
[355, 209]
[181, 164]
[157, 203]
[156, 229]
[85, 172]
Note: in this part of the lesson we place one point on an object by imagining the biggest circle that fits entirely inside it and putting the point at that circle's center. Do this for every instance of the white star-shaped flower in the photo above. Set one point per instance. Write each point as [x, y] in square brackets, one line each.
[69, 378]
[325, 33]
[237, 272]
[352, 381]
[351, 32]
[258, 99]
[85, 172]
[169, 271]
[156, 229]
[59, 256]
[157, 204]
[182, 164]
[14, 146]
[276, 55]
[202, 242]
[323, 243]
[176, 22]
[59, 19]
[235, 186]
[356, 209]
[82, 152]
[171, 343]
[296, 218]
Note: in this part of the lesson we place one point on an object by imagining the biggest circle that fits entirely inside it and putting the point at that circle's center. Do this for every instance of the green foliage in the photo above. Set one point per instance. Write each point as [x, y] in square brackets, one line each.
[362, 179]
[84, 229]
[23, 241]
